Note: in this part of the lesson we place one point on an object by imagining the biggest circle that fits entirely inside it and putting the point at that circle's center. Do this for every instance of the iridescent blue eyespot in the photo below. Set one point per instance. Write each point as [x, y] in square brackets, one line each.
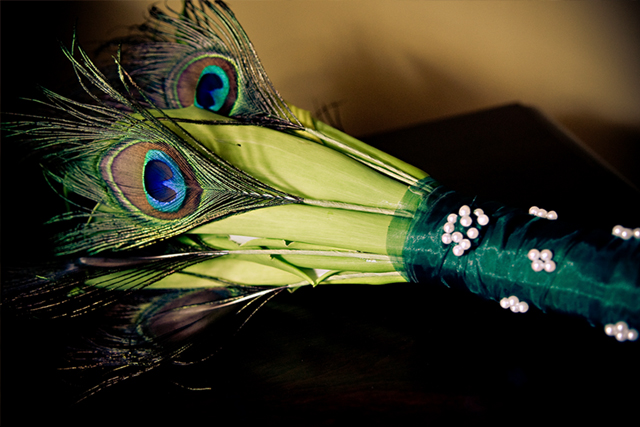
[206, 80]
[212, 89]
[164, 184]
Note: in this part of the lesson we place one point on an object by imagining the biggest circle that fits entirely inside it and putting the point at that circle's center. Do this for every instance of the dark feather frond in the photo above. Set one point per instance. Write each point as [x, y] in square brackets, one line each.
[69, 287]
[156, 328]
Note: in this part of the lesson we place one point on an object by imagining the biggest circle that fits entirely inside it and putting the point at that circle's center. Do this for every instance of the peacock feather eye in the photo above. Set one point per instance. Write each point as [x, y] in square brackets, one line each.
[164, 184]
[212, 89]
[205, 80]
[151, 178]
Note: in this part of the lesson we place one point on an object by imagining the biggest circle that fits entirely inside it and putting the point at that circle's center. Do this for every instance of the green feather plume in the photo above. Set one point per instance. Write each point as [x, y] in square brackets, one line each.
[105, 155]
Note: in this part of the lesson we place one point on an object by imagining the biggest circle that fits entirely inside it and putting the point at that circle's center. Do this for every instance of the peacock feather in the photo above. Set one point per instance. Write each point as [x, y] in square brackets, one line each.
[203, 57]
[148, 183]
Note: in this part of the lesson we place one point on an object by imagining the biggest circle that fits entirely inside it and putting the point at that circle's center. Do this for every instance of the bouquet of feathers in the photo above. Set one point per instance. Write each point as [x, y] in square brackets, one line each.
[194, 191]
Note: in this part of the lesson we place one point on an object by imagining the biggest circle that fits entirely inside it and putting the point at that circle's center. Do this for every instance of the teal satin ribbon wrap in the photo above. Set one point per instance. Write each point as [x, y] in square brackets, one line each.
[597, 275]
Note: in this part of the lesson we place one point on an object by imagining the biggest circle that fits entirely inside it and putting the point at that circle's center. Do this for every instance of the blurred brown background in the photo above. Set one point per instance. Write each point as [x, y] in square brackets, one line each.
[391, 64]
